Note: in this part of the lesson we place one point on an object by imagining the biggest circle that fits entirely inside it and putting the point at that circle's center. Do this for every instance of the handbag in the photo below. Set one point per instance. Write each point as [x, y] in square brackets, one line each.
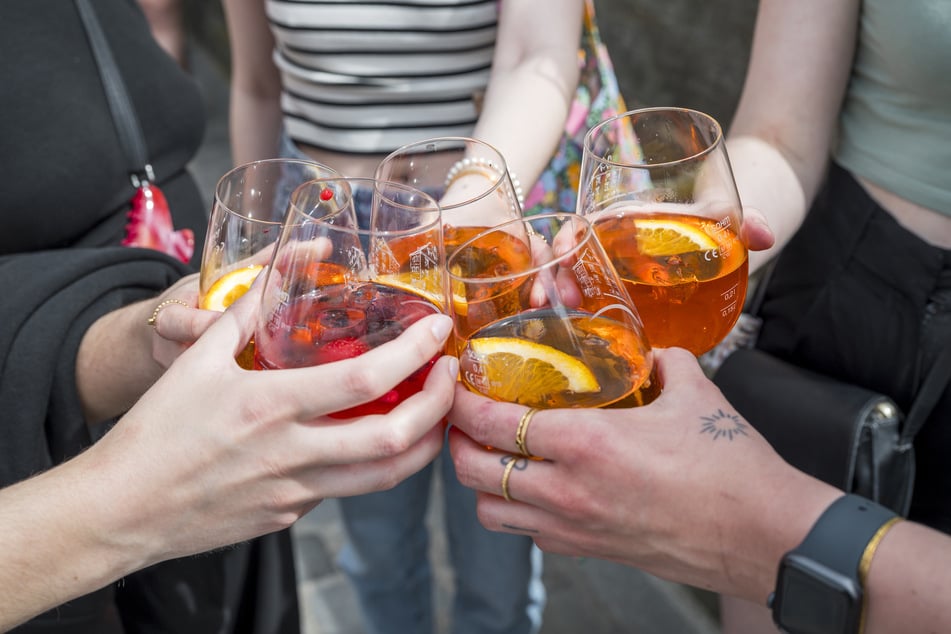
[844, 434]
[597, 97]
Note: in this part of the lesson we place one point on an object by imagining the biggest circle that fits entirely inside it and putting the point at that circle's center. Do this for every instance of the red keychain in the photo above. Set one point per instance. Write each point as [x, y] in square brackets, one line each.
[150, 222]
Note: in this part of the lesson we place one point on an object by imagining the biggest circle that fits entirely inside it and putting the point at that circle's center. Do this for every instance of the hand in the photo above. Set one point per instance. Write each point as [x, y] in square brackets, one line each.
[176, 325]
[756, 232]
[213, 454]
[676, 487]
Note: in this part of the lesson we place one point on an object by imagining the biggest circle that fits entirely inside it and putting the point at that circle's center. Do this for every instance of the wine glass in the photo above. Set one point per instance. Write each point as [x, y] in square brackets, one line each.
[245, 222]
[359, 260]
[468, 177]
[562, 333]
[657, 186]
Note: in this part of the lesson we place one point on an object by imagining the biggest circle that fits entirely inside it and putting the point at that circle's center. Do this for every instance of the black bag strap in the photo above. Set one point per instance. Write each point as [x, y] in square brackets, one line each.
[928, 394]
[131, 138]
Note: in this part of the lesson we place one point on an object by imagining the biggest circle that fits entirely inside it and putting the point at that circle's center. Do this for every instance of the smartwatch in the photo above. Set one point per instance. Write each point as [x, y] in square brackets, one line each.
[819, 588]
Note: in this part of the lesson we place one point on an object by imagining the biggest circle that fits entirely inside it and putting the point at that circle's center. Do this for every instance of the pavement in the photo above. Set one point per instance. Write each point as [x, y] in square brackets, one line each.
[586, 596]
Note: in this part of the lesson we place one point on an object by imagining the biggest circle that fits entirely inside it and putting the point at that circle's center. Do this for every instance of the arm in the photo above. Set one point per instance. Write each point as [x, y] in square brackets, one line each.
[782, 131]
[213, 455]
[120, 356]
[255, 118]
[534, 77]
[655, 487]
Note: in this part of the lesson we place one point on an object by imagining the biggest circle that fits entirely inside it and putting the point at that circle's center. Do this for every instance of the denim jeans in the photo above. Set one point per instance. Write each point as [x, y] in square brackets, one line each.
[498, 586]
[497, 576]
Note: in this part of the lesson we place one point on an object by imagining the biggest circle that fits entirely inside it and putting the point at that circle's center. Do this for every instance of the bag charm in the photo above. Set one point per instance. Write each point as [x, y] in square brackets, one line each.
[149, 223]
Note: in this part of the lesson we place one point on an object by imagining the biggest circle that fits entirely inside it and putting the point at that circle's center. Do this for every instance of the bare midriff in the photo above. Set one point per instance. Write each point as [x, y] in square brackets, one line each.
[351, 165]
[929, 225]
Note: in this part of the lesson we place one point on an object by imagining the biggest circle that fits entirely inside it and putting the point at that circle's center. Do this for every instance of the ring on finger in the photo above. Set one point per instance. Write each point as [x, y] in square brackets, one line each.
[164, 304]
[521, 432]
[505, 477]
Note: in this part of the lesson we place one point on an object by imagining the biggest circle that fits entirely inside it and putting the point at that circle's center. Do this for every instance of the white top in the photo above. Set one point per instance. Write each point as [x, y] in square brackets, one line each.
[368, 77]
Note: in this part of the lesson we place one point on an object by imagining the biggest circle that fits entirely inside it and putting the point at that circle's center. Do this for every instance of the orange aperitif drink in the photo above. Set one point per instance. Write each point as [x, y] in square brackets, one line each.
[523, 359]
[687, 275]
[547, 335]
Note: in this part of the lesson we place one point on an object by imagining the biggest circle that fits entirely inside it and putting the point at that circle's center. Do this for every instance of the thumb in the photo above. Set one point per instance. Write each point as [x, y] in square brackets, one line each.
[235, 327]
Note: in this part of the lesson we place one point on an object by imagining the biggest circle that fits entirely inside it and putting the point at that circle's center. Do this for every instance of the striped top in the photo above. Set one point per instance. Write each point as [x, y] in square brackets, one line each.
[368, 77]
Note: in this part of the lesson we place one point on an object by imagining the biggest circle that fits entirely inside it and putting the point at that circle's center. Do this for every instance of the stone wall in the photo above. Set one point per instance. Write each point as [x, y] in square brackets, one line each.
[690, 53]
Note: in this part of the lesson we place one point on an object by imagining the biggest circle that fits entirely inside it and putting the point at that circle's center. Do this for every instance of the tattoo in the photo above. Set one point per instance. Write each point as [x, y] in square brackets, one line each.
[520, 529]
[722, 424]
[521, 462]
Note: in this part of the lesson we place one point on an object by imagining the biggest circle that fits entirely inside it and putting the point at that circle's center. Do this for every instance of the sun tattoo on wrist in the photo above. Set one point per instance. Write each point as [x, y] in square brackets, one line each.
[722, 425]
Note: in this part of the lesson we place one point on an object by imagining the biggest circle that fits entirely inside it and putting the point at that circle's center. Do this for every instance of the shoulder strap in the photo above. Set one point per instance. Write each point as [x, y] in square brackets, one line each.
[123, 114]
[931, 389]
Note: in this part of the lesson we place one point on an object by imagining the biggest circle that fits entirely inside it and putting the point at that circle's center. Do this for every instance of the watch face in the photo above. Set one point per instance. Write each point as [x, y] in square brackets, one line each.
[813, 599]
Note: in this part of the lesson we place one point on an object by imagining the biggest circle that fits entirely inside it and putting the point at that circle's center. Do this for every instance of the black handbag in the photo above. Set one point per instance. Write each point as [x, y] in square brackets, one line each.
[843, 434]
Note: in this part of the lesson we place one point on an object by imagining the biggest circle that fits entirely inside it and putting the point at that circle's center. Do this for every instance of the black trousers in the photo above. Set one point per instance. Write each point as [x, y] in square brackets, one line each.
[856, 296]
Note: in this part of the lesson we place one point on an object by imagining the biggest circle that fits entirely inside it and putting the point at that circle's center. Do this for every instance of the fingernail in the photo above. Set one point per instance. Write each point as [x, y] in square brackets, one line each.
[454, 368]
[441, 326]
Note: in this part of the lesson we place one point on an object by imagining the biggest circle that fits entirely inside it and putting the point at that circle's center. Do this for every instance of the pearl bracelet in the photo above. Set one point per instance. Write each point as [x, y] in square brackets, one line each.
[484, 166]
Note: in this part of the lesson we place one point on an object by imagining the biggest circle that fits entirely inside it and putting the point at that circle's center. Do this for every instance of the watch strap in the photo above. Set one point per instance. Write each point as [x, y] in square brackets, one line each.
[841, 534]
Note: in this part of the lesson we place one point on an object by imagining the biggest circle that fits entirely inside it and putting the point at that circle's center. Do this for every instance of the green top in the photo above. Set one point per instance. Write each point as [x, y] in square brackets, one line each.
[895, 124]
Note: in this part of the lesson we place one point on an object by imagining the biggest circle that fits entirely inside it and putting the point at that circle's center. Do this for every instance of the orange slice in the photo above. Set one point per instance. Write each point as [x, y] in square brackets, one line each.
[522, 371]
[428, 285]
[658, 237]
[229, 287]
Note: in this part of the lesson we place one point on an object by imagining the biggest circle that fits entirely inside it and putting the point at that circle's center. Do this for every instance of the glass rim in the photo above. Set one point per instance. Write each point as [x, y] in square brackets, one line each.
[348, 181]
[588, 235]
[598, 128]
[496, 183]
[244, 167]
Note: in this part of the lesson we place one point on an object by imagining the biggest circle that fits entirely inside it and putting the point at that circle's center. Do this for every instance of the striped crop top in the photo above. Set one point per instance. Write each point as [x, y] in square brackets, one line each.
[368, 77]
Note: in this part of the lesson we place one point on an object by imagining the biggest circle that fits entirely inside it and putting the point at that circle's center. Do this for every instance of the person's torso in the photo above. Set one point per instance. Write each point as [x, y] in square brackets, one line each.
[65, 177]
[895, 125]
[368, 77]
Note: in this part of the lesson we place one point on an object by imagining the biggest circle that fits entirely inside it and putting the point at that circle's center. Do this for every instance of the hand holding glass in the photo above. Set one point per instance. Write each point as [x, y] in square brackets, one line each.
[658, 188]
[345, 279]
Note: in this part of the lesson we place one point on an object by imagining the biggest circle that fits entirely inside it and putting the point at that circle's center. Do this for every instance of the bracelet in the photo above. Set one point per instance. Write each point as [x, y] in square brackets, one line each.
[485, 167]
[867, 555]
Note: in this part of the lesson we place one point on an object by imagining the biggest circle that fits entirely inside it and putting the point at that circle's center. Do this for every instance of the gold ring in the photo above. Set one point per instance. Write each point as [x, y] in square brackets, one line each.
[521, 433]
[505, 478]
[162, 305]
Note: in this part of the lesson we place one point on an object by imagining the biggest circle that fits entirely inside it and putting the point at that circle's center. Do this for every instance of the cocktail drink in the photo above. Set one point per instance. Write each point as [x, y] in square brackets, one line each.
[667, 211]
[250, 204]
[559, 333]
[468, 177]
[345, 280]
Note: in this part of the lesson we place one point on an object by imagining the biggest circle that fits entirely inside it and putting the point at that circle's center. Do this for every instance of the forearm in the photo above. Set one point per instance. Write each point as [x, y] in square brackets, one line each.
[766, 181]
[114, 363]
[909, 582]
[255, 111]
[255, 127]
[533, 82]
[57, 549]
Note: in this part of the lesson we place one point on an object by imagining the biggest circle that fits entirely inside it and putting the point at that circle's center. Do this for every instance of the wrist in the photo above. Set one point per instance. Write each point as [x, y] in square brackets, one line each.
[487, 169]
[820, 586]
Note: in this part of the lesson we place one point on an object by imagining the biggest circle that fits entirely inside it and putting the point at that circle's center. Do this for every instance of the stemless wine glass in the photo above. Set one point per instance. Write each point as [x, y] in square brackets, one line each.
[666, 209]
[346, 278]
[245, 222]
[562, 333]
[468, 177]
